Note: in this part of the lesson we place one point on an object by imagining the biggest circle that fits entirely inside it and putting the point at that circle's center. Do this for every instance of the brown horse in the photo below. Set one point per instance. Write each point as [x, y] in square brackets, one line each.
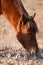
[24, 24]
[13, 10]
[27, 36]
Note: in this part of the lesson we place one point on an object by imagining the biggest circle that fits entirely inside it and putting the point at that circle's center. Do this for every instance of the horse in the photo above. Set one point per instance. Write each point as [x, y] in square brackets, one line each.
[13, 11]
[23, 23]
[27, 36]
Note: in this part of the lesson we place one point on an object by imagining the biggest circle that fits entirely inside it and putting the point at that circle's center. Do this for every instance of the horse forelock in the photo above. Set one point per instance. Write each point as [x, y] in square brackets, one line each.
[33, 24]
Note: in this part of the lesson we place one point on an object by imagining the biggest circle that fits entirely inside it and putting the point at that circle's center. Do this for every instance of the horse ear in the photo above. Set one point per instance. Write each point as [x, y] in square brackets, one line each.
[33, 16]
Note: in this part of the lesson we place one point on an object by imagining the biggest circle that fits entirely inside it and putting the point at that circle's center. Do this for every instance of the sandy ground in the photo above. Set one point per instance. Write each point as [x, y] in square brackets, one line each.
[11, 51]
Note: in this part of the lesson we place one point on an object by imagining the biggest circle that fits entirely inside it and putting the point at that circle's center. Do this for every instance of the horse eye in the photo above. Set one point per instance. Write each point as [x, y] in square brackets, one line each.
[28, 33]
